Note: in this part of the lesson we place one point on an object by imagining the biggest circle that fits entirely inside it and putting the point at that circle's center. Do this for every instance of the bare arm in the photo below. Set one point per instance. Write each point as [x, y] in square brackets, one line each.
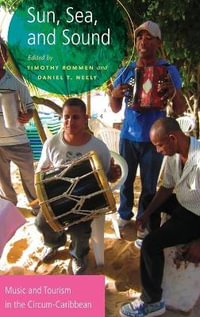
[116, 104]
[175, 95]
[179, 103]
[115, 171]
[117, 97]
[161, 196]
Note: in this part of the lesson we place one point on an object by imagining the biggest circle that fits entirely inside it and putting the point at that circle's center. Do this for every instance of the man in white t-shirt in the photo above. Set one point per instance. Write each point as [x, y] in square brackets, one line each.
[14, 145]
[71, 143]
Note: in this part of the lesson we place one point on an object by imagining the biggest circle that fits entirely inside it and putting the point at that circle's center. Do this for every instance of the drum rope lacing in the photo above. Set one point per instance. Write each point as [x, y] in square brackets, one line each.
[103, 188]
[79, 199]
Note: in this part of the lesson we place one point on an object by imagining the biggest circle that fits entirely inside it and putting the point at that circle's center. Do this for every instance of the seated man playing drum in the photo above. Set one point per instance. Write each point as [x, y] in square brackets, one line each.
[179, 197]
[71, 143]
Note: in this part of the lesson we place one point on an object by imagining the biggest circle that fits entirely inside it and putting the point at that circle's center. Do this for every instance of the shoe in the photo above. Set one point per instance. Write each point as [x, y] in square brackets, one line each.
[138, 308]
[142, 233]
[122, 223]
[49, 255]
[79, 265]
[138, 243]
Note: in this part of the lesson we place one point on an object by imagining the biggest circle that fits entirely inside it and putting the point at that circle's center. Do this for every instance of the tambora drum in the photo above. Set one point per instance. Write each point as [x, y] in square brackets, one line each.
[78, 191]
[144, 94]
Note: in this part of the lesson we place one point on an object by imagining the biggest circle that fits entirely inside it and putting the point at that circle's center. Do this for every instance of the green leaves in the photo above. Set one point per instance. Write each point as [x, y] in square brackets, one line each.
[180, 25]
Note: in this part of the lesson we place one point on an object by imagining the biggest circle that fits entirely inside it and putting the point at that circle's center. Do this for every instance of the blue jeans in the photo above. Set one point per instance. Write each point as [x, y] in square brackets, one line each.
[143, 154]
[80, 234]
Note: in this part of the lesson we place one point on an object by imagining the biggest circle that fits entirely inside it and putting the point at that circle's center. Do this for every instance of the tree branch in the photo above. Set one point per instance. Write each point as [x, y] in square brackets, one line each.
[48, 103]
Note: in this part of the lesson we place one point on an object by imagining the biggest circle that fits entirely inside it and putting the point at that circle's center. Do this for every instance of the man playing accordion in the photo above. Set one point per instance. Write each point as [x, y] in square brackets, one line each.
[145, 100]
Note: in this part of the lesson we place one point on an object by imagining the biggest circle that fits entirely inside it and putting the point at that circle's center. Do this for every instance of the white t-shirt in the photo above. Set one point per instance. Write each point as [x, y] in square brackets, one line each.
[57, 152]
[16, 135]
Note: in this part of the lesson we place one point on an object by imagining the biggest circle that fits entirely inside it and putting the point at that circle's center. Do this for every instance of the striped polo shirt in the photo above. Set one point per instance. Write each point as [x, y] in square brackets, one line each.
[14, 135]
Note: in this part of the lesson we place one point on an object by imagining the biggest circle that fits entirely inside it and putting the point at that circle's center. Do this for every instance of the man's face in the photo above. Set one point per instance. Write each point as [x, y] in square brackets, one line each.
[165, 145]
[146, 44]
[74, 120]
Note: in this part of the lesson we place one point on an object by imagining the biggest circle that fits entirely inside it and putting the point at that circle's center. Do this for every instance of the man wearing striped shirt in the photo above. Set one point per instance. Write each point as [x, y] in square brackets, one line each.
[178, 196]
[14, 145]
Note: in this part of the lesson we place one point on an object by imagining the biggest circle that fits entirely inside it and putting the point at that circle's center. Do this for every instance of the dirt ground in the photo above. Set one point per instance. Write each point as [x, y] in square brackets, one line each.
[23, 252]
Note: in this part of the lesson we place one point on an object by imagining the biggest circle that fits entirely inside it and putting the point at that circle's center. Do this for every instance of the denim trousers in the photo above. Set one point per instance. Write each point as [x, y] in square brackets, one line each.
[144, 155]
[80, 234]
[182, 227]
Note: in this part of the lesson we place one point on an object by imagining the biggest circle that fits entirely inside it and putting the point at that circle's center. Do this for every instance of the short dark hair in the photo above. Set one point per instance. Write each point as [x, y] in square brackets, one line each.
[75, 102]
[165, 126]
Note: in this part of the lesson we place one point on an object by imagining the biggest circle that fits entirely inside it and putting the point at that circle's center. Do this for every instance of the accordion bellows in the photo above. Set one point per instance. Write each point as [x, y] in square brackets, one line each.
[144, 94]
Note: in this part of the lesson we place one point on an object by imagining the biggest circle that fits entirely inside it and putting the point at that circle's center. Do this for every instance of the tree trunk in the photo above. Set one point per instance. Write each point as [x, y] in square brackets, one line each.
[39, 126]
[89, 104]
[48, 103]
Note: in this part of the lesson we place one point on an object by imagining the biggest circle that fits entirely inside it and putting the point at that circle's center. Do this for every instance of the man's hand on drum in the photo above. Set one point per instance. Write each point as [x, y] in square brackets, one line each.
[115, 171]
[166, 89]
[192, 251]
[120, 90]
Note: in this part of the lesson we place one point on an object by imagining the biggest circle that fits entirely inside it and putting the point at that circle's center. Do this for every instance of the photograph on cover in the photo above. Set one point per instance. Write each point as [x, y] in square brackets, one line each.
[87, 91]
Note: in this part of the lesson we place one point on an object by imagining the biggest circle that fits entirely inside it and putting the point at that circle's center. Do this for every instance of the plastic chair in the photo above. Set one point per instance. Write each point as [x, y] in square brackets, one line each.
[94, 124]
[110, 137]
[187, 124]
[116, 187]
[118, 159]
[97, 237]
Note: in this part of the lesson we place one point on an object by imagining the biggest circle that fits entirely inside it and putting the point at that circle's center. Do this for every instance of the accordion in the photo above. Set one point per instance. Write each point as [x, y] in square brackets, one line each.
[144, 92]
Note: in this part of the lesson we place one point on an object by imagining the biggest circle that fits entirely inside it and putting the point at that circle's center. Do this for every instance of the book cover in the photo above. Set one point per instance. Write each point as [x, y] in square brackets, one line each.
[71, 48]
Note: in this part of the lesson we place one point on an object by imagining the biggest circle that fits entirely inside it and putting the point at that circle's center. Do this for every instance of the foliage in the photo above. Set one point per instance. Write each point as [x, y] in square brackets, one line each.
[10, 5]
[180, 25]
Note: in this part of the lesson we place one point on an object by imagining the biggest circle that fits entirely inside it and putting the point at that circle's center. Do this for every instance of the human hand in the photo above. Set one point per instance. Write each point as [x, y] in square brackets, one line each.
[24, 117]
[191, 251]
[120, 90]
[166, 89]
[115, 171]
[141, 221]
